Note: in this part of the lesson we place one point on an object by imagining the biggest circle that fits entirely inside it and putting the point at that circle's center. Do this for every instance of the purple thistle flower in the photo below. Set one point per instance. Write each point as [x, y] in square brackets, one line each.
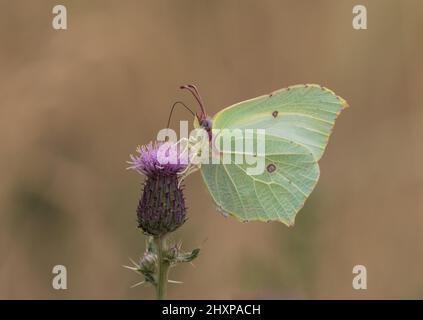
[161, 208]
[158, 157]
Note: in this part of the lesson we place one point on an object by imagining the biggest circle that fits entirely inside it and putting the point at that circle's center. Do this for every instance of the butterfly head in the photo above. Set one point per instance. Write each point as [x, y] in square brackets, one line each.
[204, 120]
[206, 123]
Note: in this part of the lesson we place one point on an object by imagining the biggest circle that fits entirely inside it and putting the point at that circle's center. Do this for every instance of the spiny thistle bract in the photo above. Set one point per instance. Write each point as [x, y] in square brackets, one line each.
[161, 208]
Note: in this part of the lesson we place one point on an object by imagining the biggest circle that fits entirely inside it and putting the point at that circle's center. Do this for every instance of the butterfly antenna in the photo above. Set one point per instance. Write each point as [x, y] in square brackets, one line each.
[173, 107]
[194, 91]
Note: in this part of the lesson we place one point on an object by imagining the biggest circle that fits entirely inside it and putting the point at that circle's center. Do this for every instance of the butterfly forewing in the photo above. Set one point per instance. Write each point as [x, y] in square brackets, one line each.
[304, 114]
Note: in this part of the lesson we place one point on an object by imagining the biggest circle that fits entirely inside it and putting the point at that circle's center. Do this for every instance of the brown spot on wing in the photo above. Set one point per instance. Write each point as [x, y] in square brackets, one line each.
[271, 168]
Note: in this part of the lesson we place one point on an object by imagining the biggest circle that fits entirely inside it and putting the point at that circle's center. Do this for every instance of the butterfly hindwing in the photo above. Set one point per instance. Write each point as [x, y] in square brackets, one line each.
[290, 174]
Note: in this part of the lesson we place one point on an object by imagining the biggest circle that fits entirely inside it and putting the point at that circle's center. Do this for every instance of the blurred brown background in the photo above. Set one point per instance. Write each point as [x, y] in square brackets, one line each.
[74, 104]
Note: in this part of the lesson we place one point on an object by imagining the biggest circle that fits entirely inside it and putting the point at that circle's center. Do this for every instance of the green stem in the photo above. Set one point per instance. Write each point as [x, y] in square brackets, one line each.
[161, 285]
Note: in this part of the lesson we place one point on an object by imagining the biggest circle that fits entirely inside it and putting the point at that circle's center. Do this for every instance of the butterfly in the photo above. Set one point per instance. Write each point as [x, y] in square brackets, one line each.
[297, 122]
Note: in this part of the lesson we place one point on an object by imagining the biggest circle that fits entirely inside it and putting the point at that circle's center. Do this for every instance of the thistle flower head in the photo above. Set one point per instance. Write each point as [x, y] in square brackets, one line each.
[161, 208]
[158, 158]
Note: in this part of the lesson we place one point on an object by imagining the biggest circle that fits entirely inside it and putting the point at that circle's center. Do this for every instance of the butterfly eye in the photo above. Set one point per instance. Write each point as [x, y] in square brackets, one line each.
[206, 123]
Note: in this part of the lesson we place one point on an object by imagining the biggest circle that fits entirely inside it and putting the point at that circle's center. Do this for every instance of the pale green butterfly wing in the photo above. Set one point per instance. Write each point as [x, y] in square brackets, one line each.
[276, 195]
[298, 121]
[305, 114]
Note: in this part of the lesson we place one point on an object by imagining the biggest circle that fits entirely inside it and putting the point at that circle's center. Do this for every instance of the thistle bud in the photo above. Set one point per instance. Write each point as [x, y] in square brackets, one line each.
[148, 263]
[161, 208]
